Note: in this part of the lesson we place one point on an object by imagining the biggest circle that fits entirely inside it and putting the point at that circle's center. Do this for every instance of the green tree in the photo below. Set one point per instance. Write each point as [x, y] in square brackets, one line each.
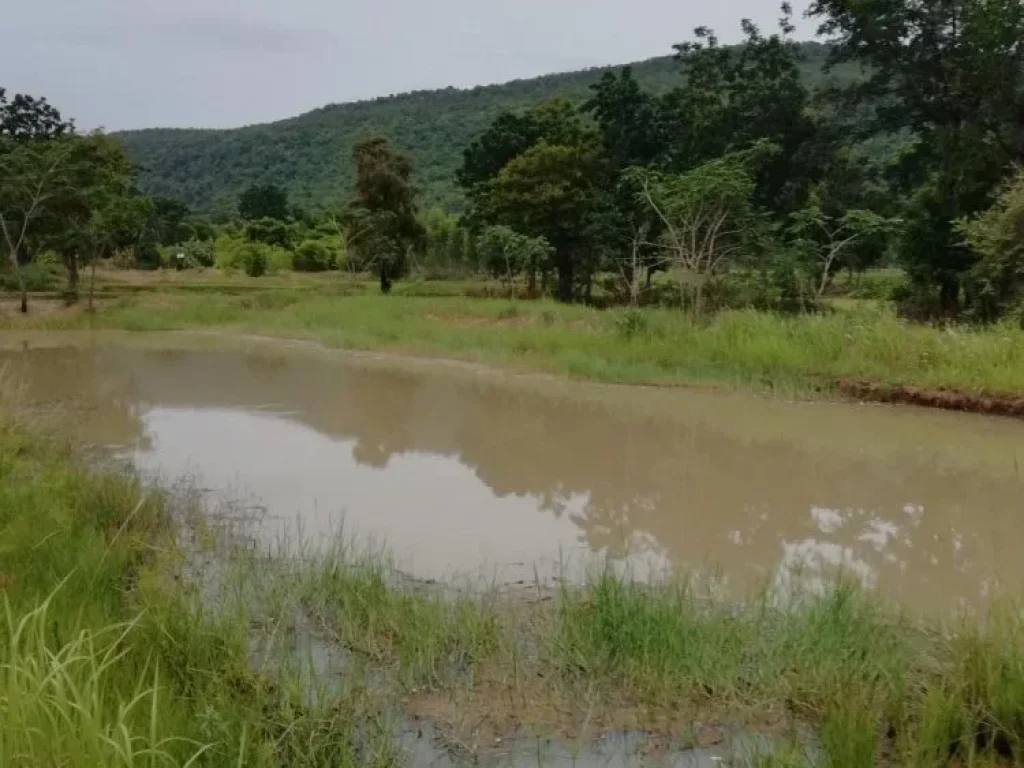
[50, 191]
[709, 218]
[997, 236]
[824, 240]
[506, 254]
[270, 231]
[551, 191]
[95, 176]
[382, 224]
[169, 221]
[26, 117]
[263, 201]
[443, 253]
[313, 256]
[951, 74]
[628, 121]
[29, 173]
[734, 98]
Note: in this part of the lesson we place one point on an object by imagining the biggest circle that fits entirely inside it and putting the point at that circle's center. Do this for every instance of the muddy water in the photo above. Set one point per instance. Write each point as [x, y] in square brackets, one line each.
[462, 471]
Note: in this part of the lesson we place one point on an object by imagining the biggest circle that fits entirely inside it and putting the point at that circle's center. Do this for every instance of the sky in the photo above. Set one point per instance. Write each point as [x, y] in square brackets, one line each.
[118, 64]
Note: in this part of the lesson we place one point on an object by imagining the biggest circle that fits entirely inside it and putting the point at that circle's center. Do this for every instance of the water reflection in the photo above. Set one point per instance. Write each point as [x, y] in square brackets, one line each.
[458, 470]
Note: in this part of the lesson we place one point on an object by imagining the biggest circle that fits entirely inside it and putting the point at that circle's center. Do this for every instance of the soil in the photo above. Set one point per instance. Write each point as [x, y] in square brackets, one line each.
[945, 399]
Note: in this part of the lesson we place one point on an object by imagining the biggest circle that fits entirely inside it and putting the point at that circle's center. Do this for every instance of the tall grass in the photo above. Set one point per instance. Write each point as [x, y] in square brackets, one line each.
[114, 654]
[109, 658]
[649, 346]
[70, 705]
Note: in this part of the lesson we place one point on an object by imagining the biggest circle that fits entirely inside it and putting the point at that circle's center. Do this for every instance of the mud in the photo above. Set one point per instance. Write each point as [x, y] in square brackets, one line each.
[944, 399]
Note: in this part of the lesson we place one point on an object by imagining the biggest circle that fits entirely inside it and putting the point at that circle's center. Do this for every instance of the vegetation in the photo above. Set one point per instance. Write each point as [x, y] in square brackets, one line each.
[148, 661]
[310, 155]
[802, 353]
[743, 166]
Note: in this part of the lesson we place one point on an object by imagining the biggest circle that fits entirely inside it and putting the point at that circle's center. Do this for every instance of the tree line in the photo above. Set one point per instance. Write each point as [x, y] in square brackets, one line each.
[742, 185]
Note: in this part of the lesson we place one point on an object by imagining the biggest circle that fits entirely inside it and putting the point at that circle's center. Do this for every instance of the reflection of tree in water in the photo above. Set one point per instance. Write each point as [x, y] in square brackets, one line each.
[693, 490]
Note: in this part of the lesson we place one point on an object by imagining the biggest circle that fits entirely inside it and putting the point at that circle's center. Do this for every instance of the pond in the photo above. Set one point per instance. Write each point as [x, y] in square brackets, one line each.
[459, 471]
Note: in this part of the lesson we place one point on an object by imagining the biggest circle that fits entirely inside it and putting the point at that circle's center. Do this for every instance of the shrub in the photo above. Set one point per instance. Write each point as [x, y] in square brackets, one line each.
[199, 253]
[270, 232]
[39, 275]
[254, 259]
[313, 256]
[995, 285]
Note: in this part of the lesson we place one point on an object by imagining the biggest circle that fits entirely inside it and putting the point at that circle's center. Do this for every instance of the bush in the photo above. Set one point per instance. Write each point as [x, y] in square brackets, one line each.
[313, 256]
[995, 285]
[38, 275]
[270, 232]
[254, 259]
[199, 253]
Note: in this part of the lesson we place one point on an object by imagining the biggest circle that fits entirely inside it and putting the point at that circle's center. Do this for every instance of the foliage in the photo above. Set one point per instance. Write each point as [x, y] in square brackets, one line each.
[735, 98]
[549, 191]
[27, 117]
[39, 275]
[952, 74]
[254, 259]
[310, 155]
[263, 201]
[996, 282]
[270, 231]
[313, 256]
[709, 220]
[445, 252]
[506, 254]
[823, 241]
[382, 222]
[61, 193]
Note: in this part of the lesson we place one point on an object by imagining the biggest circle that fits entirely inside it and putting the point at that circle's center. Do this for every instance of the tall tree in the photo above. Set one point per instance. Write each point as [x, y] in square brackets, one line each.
[26, 117]
[30, 172]
[550, 191]
[951, 73]
[94, 176]
[627, 120]
[382, 222]
[709, 218]
[736, 97]
[263, 201]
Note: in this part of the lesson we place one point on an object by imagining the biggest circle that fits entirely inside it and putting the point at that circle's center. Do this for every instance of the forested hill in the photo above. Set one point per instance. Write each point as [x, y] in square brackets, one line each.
[310, 155]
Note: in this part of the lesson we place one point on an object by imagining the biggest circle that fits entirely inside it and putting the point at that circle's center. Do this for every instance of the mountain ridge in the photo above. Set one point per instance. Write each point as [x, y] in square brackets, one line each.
[310, 154]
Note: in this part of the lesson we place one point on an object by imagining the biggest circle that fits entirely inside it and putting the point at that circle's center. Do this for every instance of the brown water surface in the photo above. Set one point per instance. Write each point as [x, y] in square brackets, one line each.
[459, 470]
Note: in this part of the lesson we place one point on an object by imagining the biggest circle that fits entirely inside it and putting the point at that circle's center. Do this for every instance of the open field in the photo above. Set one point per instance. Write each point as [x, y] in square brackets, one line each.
[863, 346]
[137, 631]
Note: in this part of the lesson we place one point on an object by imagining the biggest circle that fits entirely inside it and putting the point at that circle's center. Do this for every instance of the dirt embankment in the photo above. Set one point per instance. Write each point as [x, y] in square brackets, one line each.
[946, 399]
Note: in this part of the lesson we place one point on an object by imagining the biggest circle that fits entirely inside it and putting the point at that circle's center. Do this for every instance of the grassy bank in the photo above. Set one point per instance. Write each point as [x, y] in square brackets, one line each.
[135, 634]
[105, 658]
[803, 353]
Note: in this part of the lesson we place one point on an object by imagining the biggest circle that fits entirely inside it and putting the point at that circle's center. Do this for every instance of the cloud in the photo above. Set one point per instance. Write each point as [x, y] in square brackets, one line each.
[203, 35]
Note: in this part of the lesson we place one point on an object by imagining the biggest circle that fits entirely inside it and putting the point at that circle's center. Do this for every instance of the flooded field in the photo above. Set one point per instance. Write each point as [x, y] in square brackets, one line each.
[460, 471]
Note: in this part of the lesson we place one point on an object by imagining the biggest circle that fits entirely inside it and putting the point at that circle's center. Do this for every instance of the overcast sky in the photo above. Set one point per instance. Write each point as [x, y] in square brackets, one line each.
[220, 63]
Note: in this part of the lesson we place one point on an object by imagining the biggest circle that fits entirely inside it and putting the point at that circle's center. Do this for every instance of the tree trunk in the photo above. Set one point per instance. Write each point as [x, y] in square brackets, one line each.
[565, 280]
[532, 287]
[16, 268]
[949, 296]
[71, 263]
[92, 281]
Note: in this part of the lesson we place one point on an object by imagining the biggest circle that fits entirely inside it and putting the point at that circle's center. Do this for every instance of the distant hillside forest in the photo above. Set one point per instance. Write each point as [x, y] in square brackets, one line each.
[311, 155]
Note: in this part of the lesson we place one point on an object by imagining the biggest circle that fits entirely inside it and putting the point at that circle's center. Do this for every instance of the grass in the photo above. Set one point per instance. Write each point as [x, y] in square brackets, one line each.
[117, 649]
[651, 346]
[107, 660]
